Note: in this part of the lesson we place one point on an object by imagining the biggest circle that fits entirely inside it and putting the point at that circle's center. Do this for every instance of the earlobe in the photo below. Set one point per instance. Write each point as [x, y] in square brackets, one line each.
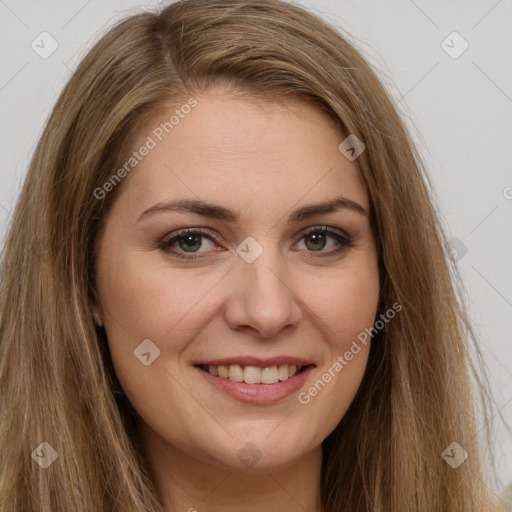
[98, 318]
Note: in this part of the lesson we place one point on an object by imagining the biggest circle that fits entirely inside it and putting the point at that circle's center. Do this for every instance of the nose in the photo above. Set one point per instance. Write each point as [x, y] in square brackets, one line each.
[263, 298]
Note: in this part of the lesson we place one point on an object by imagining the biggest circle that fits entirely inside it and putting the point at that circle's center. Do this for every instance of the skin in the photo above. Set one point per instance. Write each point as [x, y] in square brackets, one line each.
[262, 161]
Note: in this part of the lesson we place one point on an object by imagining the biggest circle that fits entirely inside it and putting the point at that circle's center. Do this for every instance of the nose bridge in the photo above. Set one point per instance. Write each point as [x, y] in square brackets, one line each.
[265, 298]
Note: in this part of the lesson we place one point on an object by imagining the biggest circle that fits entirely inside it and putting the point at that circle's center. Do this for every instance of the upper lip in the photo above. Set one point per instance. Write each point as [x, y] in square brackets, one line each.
[255, 361]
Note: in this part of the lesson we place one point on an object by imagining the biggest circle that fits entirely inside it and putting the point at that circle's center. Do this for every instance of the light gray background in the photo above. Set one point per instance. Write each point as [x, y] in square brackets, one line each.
[459, 110]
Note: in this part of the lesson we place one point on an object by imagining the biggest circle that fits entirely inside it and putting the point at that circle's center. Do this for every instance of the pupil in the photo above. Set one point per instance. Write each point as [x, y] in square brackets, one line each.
[319, 237]
[189, 241]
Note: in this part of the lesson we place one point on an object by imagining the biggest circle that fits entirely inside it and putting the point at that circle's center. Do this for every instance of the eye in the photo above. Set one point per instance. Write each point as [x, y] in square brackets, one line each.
[189, 241]
[186, 239]
[316, 240]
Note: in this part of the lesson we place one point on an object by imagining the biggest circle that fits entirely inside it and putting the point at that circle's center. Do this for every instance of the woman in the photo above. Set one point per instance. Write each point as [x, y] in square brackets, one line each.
[256, 374]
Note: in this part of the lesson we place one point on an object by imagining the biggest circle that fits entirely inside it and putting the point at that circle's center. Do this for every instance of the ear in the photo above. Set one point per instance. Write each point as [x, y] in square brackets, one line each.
[97, 313]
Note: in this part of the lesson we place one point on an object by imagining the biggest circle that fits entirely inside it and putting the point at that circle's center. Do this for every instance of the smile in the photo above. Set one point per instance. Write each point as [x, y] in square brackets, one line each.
[253, 374]
[258, 385]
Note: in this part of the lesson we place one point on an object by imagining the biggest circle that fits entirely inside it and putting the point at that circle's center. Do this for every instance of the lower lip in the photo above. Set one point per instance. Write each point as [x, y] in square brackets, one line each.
[258, 393]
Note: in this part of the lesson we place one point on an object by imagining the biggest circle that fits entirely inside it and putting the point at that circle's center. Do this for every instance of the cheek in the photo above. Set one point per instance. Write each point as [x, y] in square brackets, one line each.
[346, 304]
[346, 314]
[147, 301]
[167, 306]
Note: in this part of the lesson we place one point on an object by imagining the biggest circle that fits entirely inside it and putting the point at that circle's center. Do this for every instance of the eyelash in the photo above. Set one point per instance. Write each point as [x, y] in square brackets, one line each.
[167, 242]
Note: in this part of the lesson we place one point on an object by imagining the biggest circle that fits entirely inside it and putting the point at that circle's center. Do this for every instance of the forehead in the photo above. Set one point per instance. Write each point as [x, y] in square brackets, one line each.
[243, 152]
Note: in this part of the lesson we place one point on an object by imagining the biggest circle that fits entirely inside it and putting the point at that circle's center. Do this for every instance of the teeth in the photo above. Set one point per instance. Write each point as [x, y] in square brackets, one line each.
[269, 375]
[236, 373]
[223, 371]
[254, 374]
[283, 372]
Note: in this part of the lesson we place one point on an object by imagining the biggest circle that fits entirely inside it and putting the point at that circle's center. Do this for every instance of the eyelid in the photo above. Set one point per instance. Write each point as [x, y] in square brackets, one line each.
[182, 232]
[215, 236]
[327, 229]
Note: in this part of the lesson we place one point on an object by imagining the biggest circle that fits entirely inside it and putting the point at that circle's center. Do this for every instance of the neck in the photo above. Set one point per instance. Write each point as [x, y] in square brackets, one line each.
[188, 484]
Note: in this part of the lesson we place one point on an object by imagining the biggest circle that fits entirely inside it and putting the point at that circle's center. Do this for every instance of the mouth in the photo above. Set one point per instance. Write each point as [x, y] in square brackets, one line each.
[254, 374]
[254, 380]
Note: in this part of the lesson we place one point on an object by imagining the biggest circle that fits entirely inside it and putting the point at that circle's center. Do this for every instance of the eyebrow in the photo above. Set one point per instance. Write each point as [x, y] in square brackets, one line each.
[215, 211]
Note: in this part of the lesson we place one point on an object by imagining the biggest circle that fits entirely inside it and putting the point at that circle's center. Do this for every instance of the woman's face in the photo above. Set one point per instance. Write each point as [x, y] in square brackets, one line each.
[261, 287]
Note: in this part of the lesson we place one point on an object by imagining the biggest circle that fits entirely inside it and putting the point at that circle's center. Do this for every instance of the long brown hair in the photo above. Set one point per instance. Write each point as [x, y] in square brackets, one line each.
[57, 383]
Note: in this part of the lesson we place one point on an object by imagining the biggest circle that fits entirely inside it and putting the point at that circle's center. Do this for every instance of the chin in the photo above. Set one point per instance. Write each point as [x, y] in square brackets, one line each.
[262, 452]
